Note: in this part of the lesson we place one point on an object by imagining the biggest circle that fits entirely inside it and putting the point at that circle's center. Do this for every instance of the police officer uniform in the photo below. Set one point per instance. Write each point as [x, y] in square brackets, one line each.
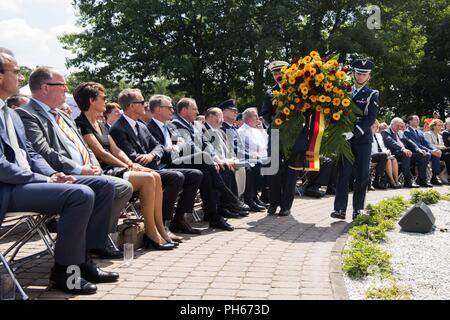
[282, 184]
[361, 138]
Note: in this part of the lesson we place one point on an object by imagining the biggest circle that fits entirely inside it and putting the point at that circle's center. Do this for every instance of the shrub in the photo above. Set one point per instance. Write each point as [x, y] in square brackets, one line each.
[393, 292]
[364, 258]
[426, 196]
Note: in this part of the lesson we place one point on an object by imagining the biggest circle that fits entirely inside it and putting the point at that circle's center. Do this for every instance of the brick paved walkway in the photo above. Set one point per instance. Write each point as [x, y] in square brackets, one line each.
[266, 257]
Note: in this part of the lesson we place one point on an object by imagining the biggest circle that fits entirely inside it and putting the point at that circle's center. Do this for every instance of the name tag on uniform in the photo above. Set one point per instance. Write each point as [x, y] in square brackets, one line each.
[361, 101]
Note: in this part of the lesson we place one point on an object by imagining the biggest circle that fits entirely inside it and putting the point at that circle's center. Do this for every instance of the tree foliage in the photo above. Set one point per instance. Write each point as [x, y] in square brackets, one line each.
[213, 50]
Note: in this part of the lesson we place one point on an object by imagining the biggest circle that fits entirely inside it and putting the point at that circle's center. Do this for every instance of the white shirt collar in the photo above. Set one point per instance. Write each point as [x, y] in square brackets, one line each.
[130, 121]
[2, 103]
[159, 123]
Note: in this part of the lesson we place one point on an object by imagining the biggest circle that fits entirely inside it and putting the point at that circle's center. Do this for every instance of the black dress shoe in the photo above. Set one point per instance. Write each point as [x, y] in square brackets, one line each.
[411, 185]
[425, 184]
[338, 214]
[107, 253]
[220, 223]
[284, 213]
[59, 280]
[355, 214]
[314, 192]
[235, 206]
[94, 274]
[150, 244]
[435, 181]
[183, 227]
[228, 214]
[254, 207]
[260, 203]
[272, 210]
[243, 213]
[379, 185]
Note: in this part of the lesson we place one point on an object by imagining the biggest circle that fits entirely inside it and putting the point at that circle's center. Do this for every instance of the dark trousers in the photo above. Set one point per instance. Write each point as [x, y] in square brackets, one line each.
[407, 162]
[184, 182]
[446, 158]
[380, 159]
[323, 177]
[282, 186]
[361, 165]
[84, 209]
[252, 182]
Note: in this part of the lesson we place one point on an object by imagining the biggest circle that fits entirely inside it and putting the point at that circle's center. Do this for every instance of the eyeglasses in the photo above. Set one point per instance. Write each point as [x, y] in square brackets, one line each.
[139, 102]
[102, 97]
[56, 84]
[168, 107]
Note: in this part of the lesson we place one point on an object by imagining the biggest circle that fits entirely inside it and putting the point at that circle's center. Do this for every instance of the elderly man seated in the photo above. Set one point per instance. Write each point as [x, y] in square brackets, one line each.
[255, 143]
[406, 152]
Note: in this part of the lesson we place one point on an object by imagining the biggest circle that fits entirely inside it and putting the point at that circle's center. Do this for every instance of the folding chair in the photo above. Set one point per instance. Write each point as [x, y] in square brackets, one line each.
[36, 225]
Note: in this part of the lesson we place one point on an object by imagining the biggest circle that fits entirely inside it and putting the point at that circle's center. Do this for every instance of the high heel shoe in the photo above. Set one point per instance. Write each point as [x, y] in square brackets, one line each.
[149, 243]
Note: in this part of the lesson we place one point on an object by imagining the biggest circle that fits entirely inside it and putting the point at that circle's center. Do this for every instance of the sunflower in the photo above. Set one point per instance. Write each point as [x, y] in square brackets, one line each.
[290, 90]
[319, 108]
[283, 69]
[291, 80]
[336, 102]
[280, 104]
[336, 116]
[292, 107]
[314, 54]
[307, 59]
[286, 111]
[278, 122]
[306, 105]
[274, 102]
[313, 71]
[341, 75]
[322, 98]
[304, 90]
[328, 86]
[331, 78]
[326, 110]
[275, 93]
[313, 98]
[328, 99]
[346, 102]
[297, 100]
[319, 77]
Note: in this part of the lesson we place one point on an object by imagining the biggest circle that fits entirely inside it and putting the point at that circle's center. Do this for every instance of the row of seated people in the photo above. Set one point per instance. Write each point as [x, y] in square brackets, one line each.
[133, 159]
[410, 147]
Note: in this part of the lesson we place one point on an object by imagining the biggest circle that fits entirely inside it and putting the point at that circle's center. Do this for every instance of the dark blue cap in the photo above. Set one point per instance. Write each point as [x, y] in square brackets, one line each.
[363, 66]
[228, 104]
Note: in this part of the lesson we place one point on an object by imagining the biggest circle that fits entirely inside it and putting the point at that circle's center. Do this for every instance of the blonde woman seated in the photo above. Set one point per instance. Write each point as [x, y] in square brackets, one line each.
[91, 99]
[434, 137]
[381, 155]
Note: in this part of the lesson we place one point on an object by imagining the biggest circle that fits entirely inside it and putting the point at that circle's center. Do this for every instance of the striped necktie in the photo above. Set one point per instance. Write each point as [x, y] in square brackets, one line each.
[20, 157]
[72, 136]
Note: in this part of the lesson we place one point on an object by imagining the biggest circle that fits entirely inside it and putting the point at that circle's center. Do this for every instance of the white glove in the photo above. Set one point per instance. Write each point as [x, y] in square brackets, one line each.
[348, 135]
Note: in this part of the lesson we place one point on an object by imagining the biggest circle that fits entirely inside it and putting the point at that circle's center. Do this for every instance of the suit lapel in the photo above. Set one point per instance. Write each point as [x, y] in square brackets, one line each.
[157, 131]
[127, 127]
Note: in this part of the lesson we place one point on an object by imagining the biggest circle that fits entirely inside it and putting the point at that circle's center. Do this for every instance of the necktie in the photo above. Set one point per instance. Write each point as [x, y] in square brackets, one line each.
[21, 159]
[167, 139]
[139, 136]
[72, 136]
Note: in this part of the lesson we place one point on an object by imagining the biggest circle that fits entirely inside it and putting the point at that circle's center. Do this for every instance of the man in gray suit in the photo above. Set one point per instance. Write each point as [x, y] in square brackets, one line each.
[28, 183]
[55, 136]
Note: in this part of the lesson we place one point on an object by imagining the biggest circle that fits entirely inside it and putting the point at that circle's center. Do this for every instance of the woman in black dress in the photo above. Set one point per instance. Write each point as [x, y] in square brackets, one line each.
[91, 99]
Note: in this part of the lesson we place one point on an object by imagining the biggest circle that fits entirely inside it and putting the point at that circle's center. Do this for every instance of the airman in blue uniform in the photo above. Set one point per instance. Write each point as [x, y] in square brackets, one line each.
[366, 99]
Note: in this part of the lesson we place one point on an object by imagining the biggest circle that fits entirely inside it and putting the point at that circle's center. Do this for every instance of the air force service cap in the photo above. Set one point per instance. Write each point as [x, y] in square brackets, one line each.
[277, 65]
[363, 66]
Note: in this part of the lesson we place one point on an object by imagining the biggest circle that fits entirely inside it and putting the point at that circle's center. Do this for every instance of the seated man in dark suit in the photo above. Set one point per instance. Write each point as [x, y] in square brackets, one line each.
[132, 136]
[425, 148]
[188, 154]
[56, 138]
[28, 183]
[406, 152]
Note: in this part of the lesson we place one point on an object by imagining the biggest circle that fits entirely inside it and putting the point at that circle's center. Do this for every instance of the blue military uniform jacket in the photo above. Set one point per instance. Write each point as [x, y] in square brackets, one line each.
[366, 99]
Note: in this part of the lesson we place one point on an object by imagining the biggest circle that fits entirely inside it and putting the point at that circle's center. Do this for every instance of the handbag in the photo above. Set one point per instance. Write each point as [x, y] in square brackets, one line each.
[131, 231]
